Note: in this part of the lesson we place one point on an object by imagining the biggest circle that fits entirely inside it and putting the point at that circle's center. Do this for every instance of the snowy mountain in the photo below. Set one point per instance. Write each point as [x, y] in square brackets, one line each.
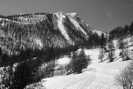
[40, 31]
[36, 46]
[34, 41]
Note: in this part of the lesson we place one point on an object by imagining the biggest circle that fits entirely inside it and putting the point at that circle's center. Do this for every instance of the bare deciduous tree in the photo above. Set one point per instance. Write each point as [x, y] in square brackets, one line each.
[125, 78]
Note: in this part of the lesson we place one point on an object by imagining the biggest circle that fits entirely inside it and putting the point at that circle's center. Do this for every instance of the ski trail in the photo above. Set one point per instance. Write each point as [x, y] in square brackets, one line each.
[96, 76]
[76, 81]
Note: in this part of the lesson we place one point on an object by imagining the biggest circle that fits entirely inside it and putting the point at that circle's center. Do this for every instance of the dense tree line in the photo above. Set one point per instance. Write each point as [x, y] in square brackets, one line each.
[95, 40]
[120, 32]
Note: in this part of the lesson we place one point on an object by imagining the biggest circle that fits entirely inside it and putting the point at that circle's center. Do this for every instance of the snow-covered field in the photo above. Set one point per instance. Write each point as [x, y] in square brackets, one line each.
[96, 76]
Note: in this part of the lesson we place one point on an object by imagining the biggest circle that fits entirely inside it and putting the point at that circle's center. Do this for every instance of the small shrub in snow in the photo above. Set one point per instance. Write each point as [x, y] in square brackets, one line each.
[79, 62]
[45, 70]
[125, 78]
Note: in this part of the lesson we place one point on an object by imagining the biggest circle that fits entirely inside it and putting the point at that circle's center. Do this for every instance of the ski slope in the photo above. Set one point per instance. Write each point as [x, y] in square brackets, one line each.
[96, 76]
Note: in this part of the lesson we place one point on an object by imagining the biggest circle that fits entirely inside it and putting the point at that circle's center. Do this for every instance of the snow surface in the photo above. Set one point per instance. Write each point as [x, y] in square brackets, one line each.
[115, 43]
[65, 60]
[93, 54]
[96, 76]
[97, 54]
[117, 53]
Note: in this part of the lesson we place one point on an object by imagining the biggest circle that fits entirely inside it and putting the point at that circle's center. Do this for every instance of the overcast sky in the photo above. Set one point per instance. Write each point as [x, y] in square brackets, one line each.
[100, 14]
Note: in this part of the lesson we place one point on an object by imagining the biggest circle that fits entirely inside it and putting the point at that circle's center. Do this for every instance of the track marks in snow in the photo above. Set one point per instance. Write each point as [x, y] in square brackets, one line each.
[96, 76]
[74, 81]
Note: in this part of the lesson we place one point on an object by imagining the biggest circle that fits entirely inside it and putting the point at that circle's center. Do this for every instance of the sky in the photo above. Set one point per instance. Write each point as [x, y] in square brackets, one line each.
[100, 14]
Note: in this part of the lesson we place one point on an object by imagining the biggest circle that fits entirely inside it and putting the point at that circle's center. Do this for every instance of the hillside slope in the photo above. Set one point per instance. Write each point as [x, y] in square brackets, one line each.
[28, 41]
[96, 76]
